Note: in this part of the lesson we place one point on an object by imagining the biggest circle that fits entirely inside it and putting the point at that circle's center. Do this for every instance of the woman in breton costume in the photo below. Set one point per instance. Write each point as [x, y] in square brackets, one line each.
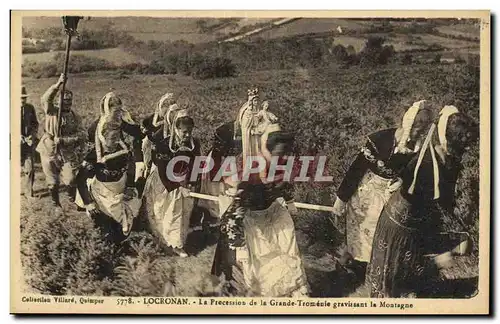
[373, 176]
[153, 123]
[257, 238]
[407, 222]
[167, 200]
[106, 180]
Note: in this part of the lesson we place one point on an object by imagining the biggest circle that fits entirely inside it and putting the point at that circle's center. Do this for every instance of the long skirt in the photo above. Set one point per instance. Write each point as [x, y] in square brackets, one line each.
[269, 260]
[110, 200]
[169, 213]
[397, 266]
[153, 188]
[362, 212]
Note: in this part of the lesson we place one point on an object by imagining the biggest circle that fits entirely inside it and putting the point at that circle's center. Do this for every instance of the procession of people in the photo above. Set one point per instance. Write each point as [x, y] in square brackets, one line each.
[392, 197]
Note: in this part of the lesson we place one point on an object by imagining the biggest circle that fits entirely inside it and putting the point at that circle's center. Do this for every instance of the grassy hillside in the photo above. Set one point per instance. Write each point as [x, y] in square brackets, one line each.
[314, 25]
[192, 30]
[329, 110]
[466, 30]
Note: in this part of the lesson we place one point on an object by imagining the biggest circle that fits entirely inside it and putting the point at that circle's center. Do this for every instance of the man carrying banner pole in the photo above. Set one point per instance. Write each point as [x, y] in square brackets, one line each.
[62, 142]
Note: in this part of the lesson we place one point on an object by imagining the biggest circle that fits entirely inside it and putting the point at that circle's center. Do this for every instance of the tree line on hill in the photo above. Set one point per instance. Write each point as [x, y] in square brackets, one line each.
[217, 60]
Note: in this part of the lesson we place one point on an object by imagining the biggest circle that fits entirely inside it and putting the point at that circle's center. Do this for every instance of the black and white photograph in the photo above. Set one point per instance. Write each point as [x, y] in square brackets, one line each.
[254, 162]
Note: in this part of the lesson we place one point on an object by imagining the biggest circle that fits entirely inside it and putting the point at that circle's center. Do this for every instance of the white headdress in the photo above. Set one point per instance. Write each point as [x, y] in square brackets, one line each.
[104, 107]
[171, 114]
[100, 140]
[407, 124]
[445, 114]
[170, 128]
[158, 114]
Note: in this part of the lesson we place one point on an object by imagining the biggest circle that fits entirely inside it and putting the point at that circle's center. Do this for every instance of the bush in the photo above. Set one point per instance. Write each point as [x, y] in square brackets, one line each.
[340, 53]
[473, 60]
[28, 49]
[407, 59]
[144, 271]
[437, 59]
[459, 59]
[64, 255]
[39, 69]
[214, 68]
[77, 64]
[153, 68]
[82, 63]
[375, 53]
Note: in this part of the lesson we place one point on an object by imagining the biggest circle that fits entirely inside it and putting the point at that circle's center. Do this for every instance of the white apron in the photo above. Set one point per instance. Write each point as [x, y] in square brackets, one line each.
[271, 257]
[363, 211]
[109, 198]
[172, 213]
[168, 212]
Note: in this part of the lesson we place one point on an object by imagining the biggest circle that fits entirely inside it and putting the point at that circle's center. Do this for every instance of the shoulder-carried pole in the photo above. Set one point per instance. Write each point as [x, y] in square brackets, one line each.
[297, 204]
[70, 24]
[65, 73]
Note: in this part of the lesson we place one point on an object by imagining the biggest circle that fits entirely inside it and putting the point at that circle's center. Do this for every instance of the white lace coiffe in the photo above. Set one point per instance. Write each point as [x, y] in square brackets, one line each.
[406, 126]
[99, 134]
[442, 125]
[173, 132]
[157, 115]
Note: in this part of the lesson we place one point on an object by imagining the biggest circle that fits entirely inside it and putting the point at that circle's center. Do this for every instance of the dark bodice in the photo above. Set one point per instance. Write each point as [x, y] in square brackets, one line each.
[377, 155]
[147, 127]
[162, 155]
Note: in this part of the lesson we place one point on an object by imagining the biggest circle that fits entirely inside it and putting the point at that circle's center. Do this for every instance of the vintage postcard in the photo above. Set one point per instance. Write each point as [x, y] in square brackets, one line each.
[250, 162]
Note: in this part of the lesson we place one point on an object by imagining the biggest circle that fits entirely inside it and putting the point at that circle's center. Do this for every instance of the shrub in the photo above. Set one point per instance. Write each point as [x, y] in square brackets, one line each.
[64, 254]
[437, 59]
[82, 63]
[474, 60]
[153, 68]
[340, 53]
[407, 59]
[77, 64]
[28, 49]
[459, 59]
[39, 69]
[214, 68]
[144, 271]
[375, 53]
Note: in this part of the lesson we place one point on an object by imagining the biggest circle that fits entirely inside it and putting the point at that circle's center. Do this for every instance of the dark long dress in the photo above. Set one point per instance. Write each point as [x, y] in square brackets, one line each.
[406, 230]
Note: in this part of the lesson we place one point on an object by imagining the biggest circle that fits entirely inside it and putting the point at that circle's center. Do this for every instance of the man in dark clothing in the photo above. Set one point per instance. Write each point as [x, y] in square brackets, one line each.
[29, 130]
